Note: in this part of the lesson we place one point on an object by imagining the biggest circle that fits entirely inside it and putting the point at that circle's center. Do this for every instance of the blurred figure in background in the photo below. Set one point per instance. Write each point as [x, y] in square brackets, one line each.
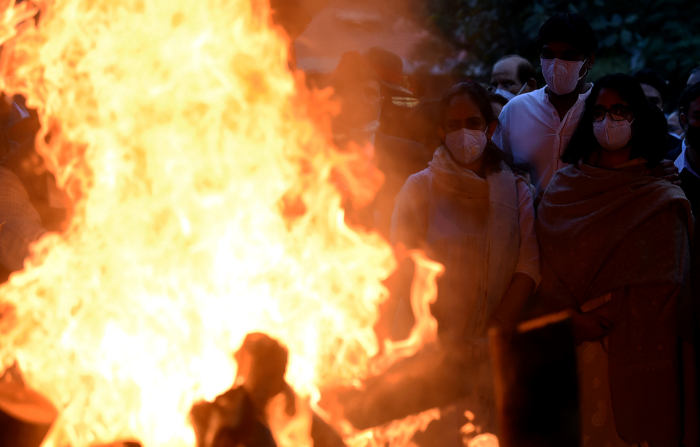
[615, 248]
[688, 161]
[674, 126]
[653, 85]
[512, 75]
[694, 76]
[398, 100]
[656, 90]
[30, 202]
[358, 87]
[536, 127]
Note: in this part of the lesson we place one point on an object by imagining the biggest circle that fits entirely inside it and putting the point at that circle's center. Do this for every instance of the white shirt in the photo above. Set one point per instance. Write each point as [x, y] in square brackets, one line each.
[532, 131]
[683, 163]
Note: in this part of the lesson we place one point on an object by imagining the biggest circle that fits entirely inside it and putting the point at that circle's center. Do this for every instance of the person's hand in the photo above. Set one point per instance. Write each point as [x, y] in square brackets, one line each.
[666, 170]
[589, 327]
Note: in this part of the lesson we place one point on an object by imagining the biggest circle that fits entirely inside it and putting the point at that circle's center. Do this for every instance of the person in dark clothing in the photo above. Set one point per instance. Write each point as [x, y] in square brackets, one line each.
[359, 88]
[656, 91]
[688, 161]
[388, 67]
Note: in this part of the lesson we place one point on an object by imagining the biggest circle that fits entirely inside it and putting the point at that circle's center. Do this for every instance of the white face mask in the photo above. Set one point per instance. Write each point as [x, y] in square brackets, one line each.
[466, 145]
[561, 76]
[505, 93]
[612, 135]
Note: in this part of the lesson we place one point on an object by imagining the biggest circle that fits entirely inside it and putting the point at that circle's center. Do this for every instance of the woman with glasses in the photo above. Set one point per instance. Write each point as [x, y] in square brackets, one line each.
[614, 249]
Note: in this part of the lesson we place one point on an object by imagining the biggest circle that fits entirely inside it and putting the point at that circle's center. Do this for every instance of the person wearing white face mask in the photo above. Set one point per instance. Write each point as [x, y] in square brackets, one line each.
[471, 213]
[475, 216]
[614, 243]
[512, 75]
[536, 127]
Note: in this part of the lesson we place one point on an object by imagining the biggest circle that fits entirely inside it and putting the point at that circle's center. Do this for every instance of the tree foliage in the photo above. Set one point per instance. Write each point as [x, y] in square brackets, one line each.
[632, 34]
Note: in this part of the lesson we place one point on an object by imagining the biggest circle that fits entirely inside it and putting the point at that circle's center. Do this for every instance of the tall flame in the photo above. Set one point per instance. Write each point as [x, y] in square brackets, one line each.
[198, 170]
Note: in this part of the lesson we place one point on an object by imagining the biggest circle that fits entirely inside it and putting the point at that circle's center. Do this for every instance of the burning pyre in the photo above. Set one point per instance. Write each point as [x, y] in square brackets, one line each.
[205, 205]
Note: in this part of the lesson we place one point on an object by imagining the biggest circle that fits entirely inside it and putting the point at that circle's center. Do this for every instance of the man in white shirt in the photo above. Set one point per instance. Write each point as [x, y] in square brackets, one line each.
[512, 75]
[536, 127]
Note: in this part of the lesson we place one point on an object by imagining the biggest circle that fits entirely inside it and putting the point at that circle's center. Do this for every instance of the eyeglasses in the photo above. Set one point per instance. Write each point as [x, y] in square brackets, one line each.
[617, 113]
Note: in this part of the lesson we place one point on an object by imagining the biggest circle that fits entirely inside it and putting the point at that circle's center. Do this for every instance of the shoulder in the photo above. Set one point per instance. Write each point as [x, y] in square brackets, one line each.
[416, 189]
[526, 101]
[10, 182]
[420, 179]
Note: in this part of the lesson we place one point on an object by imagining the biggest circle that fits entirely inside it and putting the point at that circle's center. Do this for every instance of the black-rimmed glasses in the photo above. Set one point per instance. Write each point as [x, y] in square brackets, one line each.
[617, 113]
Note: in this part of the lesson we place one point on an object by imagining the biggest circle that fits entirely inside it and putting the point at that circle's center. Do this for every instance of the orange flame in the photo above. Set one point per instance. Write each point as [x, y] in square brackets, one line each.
[181, 137]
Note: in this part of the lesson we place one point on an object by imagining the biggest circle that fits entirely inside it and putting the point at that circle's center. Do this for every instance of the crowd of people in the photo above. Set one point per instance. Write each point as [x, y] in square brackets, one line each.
[578, 195]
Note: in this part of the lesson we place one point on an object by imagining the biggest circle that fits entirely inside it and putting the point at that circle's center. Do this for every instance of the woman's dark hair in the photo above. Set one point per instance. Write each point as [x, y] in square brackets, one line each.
[568, 27]
[493, 156]
[649, 135]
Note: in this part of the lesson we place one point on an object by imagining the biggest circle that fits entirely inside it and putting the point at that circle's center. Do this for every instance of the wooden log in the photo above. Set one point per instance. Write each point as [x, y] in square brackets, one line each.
[432, 378]
[536, 383]
[25, 415]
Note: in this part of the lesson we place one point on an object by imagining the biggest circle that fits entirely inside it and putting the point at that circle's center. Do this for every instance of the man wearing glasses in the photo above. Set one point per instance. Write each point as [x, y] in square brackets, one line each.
[536, 127]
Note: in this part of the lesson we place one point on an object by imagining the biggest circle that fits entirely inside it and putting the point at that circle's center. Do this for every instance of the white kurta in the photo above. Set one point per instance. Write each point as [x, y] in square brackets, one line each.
[531, 130]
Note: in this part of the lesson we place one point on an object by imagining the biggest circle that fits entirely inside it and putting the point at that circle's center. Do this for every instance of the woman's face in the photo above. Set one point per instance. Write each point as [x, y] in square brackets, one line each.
[462, 113]
[609, 103]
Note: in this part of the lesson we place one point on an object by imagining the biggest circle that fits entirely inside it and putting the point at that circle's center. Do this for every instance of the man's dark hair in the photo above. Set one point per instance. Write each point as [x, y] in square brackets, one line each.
[525, 69]
[650, 77]
[690, 94]
[650, 131]
[693, 71]
[568, 27]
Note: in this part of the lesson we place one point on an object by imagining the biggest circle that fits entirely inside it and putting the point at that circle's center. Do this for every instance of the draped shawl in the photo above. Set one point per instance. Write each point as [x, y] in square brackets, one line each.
[625, 233]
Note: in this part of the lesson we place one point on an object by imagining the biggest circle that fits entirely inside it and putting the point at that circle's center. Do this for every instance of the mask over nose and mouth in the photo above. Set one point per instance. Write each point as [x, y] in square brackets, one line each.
[611, 134]
[466, 145]
[562, 76]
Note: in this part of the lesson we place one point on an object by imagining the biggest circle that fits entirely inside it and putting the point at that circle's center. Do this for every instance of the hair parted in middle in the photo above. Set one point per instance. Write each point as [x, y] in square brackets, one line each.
[494, 157]
[649, 130]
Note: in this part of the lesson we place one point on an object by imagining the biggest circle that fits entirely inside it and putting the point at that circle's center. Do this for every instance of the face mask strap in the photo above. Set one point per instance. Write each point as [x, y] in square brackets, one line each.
[586, 72]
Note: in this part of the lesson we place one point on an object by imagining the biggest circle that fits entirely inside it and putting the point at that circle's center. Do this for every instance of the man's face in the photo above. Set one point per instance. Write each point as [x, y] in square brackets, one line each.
[505, 76]
[653, 96]
[692, 117]
[565, 51]
[360, 104]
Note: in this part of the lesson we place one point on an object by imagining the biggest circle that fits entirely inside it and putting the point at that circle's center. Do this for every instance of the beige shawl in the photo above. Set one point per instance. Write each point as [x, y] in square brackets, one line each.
[502, 232]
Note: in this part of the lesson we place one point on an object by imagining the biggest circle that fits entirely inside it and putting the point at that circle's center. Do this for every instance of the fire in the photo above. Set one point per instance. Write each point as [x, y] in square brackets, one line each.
[198, 168]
